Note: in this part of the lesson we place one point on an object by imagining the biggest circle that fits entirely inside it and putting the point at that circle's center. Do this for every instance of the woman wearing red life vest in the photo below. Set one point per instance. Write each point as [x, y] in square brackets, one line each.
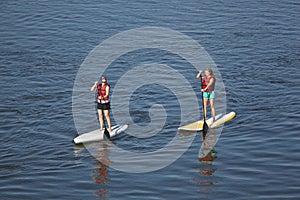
[208, 86]
[103, 105]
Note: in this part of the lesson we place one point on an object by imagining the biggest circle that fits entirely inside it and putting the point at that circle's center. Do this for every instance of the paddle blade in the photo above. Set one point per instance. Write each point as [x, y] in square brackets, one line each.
[204, 130]
[106, 133]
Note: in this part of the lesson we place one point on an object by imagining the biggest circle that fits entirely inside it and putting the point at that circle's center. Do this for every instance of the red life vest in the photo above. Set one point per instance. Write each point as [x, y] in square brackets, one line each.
[101, 93]
[205, 82]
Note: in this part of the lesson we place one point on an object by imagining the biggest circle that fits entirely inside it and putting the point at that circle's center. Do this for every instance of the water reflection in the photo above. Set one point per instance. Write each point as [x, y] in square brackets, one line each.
[100, 174]
[207, 154]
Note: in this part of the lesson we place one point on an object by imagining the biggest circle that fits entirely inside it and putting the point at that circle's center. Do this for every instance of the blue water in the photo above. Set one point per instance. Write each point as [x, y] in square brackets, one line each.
[256, 47]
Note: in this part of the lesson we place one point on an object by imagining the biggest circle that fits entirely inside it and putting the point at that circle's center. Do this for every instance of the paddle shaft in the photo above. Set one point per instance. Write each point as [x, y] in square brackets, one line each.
[205, 126]
[202, 96]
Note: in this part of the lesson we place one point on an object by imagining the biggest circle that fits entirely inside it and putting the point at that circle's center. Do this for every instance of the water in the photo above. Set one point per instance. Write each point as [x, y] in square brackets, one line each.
[256, 47]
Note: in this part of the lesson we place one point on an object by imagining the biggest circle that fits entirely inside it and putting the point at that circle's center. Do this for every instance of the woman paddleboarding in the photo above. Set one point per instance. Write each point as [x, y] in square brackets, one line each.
[103, 105]
[208, 86]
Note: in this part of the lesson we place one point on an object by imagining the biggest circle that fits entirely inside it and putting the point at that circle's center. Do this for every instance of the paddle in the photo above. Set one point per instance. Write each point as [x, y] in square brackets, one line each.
[106, 132]
[205, 126]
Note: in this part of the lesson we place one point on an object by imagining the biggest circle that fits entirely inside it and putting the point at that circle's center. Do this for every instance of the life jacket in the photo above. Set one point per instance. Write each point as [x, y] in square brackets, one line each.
[205, 82]
[101, 93]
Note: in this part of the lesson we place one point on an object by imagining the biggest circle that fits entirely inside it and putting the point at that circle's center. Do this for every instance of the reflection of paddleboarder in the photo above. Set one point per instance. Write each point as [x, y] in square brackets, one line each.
[208, 86]
[209, 157]
[207, 152]
[103, 105]
[101, 175]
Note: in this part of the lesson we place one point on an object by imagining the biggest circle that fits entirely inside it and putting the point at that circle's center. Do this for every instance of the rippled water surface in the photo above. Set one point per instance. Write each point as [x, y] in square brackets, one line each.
[256, 47]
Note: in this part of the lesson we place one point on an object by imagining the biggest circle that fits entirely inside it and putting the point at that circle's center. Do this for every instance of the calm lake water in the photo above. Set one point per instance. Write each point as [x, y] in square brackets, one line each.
[255, 44]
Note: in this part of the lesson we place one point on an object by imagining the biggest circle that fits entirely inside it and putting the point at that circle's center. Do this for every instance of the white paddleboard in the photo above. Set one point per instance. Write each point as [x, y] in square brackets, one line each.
[98, 135]
[197, 126]
[223, 119]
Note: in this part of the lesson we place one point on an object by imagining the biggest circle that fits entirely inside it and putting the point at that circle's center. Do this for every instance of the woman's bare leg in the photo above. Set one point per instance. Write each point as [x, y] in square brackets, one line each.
[100, 118]
[213, 110]
[106, 113]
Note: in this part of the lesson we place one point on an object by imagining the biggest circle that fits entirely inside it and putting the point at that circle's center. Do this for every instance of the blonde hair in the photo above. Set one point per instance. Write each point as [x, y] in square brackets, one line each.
[209, 70]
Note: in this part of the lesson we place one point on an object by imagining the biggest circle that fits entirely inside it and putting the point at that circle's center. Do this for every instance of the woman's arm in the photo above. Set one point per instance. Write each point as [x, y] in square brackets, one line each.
[199, 74]
[211, 82]
[107, 92]
[94, 87]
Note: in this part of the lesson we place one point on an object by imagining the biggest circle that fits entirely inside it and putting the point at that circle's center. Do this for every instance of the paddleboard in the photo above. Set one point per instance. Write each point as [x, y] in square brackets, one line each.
[197, 126]
[223, 119]
[98, 135]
